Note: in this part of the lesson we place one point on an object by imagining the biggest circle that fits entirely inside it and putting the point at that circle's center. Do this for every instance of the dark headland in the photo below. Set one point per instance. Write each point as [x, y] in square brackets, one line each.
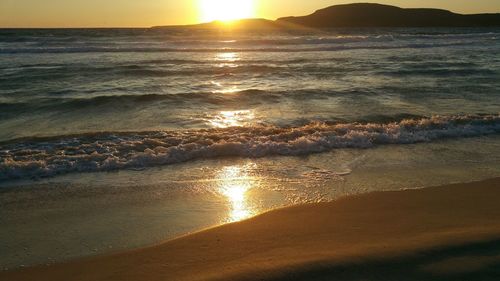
[368, 15]
[377, 15]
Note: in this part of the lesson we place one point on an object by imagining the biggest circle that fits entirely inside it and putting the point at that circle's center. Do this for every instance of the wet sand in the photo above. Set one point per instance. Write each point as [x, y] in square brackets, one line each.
[441, 233]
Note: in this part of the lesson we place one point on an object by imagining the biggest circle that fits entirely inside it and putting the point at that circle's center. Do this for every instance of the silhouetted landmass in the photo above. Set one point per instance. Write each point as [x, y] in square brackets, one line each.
[377, 15]
[361, 15]
[250, 24]
[240, 25]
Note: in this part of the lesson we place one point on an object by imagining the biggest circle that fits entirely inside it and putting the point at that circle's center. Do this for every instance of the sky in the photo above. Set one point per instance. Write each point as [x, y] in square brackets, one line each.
[146, 13]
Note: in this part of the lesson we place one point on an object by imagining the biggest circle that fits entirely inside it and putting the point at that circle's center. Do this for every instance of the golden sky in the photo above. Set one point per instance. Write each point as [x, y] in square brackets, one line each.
[145, 13]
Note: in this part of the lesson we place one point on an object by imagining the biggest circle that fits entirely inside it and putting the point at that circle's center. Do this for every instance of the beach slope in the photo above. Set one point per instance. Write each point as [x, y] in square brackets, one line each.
[441, 233]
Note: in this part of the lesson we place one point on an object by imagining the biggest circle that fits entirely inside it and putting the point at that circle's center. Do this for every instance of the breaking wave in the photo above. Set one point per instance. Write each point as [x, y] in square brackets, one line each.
[46, 157]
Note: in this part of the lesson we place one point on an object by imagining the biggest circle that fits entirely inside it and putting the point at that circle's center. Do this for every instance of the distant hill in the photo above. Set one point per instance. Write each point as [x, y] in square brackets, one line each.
[377, 15]
[240, 25]
[252, 24]
[360, 15]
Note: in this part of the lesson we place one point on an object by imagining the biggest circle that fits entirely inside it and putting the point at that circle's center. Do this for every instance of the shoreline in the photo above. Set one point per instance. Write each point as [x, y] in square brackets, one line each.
[437, 232]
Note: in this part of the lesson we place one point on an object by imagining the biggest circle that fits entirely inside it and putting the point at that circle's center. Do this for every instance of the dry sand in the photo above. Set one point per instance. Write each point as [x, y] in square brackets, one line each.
[442, 233]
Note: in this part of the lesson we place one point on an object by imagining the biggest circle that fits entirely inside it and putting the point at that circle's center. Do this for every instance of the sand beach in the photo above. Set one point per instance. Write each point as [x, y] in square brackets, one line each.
[440, 233]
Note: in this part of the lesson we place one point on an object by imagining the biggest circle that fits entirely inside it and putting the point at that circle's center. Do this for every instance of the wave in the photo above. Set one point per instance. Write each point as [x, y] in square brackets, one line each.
[150, 49]
[269, 38]
[42, 73]
[10, 108]
[253, 96]
[51, 104]
[46, 157]
[158, 67]
[112, 40]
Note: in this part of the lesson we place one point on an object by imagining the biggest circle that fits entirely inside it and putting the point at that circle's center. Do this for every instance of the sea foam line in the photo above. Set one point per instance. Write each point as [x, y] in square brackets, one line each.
[112, 151]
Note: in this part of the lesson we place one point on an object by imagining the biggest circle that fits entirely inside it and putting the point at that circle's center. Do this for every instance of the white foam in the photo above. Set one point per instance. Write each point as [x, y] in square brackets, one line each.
[111, 151]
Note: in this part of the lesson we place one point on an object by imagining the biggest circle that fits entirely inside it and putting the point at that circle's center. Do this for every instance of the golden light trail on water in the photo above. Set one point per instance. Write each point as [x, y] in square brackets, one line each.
[235, 184]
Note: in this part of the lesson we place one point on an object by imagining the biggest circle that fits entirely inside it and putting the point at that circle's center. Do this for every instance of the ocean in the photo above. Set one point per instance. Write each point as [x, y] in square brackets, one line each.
[148, 134]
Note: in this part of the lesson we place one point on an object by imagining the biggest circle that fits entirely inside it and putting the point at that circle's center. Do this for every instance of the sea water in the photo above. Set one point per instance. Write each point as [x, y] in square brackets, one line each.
[118, 138]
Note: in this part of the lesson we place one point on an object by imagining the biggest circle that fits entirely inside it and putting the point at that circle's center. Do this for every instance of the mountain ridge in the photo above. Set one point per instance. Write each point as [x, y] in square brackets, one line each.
[362, 15]
[379, 15]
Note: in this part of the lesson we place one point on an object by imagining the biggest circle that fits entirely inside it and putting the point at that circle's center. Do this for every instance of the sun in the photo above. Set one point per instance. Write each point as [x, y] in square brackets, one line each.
[225, 10]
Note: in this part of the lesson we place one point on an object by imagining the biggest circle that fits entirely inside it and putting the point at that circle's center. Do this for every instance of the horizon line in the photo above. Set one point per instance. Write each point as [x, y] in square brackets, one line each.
[199, 23]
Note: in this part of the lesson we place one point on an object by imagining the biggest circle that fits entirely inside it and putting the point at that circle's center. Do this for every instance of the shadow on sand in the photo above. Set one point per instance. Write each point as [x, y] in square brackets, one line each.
[470, 262]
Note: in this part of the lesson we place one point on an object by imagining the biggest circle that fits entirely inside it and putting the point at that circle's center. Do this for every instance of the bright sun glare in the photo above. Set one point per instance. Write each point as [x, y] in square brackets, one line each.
[226, 10]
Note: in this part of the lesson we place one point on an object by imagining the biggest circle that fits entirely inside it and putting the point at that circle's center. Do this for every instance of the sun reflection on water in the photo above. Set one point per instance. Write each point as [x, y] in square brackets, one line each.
[227, 57]
[237, 118]
[226, 61]
[235, 182]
